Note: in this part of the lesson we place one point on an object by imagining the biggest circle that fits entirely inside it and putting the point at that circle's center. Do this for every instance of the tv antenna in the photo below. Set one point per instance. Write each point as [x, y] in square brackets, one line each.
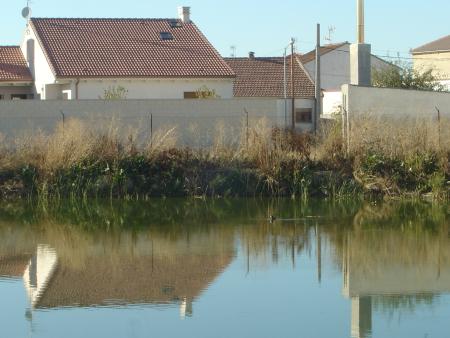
[329, 36]
[233, 51]
[26, 11]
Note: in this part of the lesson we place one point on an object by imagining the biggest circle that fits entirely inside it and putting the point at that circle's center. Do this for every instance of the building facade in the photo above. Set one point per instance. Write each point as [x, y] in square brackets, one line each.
[82, 59]
[435, 56]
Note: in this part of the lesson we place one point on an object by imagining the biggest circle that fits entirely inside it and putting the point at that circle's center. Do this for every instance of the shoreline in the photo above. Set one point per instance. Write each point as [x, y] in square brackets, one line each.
[179, 173]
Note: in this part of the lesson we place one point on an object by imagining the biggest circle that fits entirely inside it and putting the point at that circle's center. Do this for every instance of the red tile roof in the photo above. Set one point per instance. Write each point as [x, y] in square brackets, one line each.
[13, 67]
[264, 77]
[440, 45]
[127, 48]
[311, 56]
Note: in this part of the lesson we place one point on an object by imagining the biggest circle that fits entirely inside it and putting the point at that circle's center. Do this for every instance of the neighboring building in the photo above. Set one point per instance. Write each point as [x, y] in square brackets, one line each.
[335, 65]
[15, 77]
[150, 58]
[335, 72]
[436, 56]
[264, 77]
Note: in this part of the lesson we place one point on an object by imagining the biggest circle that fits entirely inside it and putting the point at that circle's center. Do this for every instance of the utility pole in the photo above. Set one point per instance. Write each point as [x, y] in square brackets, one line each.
[285, 92]
[318, 110]
[292, 84]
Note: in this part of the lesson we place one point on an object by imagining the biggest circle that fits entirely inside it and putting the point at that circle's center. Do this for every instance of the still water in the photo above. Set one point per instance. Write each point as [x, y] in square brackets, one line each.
[190, 268]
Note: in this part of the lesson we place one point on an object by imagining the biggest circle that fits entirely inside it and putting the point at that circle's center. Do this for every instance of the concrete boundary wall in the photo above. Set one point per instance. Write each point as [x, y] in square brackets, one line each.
[197, 122]
[394, 102]
[391, 110]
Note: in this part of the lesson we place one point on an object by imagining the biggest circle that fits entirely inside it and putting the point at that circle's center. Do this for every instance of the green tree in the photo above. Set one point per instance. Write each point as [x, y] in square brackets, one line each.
[406, 77]
[204, 92]
[115, 93]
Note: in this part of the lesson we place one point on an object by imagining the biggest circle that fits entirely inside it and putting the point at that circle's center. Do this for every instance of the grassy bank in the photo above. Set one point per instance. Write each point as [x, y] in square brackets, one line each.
[406, 159]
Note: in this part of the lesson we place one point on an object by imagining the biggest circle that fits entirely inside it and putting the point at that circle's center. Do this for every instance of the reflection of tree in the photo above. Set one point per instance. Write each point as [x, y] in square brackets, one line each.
[395, 303]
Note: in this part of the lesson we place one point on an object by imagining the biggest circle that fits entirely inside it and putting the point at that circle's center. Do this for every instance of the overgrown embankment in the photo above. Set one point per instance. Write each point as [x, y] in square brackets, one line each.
[75, 161]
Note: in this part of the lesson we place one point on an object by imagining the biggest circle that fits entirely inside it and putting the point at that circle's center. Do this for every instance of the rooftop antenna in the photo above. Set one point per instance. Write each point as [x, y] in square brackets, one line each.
[329, 36]
[26, 11]
[233, 51]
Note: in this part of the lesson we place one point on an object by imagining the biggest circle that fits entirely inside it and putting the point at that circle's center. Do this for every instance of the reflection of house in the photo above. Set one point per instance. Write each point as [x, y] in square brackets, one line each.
[150, 58]
[436, 56]
[39, 273]
[177, 276]
[133, 280]
[264, 77]
[15, 77]
[382, 264]
[13, 265]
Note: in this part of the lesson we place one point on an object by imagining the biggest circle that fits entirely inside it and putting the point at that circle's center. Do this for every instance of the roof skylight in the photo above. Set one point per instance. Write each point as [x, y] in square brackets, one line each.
[166, 36]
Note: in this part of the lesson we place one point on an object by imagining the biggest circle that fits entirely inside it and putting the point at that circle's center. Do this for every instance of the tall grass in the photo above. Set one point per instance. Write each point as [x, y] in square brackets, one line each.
[392, 157]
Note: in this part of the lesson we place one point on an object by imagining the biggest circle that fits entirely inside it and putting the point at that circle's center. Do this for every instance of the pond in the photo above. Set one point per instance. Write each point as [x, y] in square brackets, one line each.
[224, 268]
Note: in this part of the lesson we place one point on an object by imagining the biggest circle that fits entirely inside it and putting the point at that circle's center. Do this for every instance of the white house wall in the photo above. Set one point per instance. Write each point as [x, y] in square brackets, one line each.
[153, 88]
[40, 69]
[335, 68]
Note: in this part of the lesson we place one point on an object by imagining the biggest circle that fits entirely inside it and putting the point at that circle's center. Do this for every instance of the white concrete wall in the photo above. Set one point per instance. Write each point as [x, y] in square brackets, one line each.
[335, 68]
[195, 120]
[394, 102]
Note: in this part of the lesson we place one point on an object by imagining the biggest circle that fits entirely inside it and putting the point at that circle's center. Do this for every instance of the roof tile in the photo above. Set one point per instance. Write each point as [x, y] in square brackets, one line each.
[13, 66]
[440, 45]
[127, 48]
[264, 77]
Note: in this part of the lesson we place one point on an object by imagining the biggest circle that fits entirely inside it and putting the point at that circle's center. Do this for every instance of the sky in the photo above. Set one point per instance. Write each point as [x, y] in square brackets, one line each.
[265, 27]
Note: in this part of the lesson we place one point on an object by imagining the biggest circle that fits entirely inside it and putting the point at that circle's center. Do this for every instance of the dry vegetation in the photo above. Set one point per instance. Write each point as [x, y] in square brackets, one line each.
[394, 157]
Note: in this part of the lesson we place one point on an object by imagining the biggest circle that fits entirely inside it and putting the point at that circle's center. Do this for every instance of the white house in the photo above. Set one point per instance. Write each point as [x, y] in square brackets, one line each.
[335, 71]
[150, 58]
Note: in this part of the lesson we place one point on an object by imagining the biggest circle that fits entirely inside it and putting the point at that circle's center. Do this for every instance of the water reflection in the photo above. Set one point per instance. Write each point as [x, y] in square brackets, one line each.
[394, 266]
[391, 257]
[39, 272]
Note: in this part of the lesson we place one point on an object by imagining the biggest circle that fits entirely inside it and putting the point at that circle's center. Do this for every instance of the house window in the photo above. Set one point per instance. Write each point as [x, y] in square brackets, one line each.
[2, 97]
[18, 96]
[190, 95]
[166, 36]
[303, 115]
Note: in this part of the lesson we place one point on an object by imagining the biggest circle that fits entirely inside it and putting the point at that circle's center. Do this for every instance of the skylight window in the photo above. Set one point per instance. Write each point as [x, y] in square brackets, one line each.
[174, 23]
[166, 36]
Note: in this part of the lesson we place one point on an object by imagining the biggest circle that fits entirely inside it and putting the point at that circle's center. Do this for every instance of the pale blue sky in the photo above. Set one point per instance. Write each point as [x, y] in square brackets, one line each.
[262, 26]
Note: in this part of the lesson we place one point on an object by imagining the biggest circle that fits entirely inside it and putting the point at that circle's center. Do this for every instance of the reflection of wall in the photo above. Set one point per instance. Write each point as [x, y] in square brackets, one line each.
[361, 317]
[396, 262]
[392, 262]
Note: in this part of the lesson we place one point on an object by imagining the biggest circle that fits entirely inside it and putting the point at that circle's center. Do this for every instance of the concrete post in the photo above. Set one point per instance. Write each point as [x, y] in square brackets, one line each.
[360, 64]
